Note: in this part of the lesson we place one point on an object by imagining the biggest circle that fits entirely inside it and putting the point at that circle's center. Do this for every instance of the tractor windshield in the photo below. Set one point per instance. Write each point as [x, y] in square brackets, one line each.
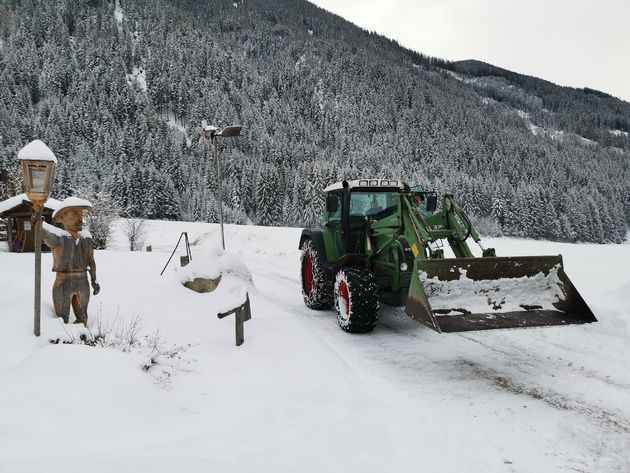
[373, 204]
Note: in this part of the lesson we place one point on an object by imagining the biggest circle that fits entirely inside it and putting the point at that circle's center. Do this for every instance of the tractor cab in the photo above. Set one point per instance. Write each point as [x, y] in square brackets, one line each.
[352, 206]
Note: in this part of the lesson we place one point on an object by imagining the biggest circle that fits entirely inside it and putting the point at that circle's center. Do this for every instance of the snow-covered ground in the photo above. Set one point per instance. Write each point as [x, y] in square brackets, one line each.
[300, 394]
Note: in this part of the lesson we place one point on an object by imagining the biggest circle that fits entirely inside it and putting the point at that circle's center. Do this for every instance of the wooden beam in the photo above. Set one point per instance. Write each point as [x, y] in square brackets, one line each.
[10, 233]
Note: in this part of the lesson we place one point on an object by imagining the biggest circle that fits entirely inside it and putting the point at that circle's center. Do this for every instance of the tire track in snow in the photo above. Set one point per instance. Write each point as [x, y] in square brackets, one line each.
[413, 365]
[613, 423]
[533, 363]
[411, 362]
[532, 360]
[601, 415]
[607, 446]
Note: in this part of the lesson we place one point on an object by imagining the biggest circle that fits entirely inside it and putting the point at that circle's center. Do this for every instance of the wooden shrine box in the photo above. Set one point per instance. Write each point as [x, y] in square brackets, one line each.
[16, 212]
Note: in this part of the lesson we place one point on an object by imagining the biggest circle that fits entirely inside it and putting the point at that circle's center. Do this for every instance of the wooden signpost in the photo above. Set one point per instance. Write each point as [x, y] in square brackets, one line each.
[242, 313]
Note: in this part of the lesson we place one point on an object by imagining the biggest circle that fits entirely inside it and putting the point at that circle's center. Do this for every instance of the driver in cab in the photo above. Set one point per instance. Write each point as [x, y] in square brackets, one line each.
[374, 207]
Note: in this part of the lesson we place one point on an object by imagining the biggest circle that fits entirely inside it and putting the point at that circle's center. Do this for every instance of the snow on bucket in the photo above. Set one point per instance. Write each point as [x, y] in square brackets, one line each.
[453, 295]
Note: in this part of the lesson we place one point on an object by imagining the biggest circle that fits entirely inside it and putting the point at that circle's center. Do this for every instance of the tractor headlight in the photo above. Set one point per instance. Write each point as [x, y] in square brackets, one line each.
[404, 266]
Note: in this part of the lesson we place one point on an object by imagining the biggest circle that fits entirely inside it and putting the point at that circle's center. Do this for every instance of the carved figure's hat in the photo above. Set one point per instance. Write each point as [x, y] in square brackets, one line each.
[70, 203]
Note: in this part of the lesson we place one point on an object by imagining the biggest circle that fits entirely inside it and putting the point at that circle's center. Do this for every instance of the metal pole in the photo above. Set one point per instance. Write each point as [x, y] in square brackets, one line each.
[174, 250]
[216, 163]
[188, 252]
[38, 269]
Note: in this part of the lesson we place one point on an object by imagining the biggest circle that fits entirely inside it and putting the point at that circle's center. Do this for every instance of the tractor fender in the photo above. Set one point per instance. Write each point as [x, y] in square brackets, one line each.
[317, 236]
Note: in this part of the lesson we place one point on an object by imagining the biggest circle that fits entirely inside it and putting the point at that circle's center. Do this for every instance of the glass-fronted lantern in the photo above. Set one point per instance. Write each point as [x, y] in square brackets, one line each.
[38, 169]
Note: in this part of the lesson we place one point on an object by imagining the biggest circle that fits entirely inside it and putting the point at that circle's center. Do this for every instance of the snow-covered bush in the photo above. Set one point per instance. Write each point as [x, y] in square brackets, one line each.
[159, 358]
[99, 220]
[135, 230]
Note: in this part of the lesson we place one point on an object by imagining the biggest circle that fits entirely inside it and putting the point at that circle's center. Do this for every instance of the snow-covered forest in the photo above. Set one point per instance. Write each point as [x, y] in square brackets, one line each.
[116, 90]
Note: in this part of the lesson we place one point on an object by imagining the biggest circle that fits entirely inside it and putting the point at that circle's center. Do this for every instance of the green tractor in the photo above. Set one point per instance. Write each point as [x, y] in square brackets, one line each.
[382, 241]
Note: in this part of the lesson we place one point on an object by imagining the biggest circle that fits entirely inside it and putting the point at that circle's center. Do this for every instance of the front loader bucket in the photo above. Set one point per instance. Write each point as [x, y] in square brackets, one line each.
[462, 294]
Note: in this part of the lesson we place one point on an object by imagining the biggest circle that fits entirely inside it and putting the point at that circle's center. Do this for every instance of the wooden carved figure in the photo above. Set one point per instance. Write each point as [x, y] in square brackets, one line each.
[73, 256]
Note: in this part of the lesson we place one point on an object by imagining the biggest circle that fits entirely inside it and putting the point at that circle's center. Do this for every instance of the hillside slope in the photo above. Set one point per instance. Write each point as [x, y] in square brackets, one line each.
[117, 88]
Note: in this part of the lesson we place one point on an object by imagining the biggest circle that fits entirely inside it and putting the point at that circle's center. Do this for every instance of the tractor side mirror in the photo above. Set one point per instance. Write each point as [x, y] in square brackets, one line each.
[332, 203]
[431, 202]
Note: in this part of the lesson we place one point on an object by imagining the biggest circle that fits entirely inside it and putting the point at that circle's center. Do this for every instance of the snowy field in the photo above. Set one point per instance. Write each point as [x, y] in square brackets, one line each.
[301, 395]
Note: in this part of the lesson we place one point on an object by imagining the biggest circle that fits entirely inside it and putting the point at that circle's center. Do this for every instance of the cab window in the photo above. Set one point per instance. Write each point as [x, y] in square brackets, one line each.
[332, 212]
[373, 204]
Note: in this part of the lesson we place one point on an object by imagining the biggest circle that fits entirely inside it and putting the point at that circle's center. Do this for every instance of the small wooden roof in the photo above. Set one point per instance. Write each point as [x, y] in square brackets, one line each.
[20, 205]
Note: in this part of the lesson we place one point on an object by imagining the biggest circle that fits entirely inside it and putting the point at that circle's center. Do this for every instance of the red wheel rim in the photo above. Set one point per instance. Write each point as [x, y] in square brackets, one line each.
[344, 296]
[308, 274]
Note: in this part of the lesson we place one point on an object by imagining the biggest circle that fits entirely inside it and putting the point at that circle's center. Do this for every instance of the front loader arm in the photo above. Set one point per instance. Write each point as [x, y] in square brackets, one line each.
[450, 223]
[444, 224]
[458, 243]
[454, 217]
[416, 231]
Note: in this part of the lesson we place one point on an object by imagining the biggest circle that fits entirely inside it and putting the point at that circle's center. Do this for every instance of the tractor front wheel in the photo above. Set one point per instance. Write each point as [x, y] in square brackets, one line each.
[356, 300]
[316, 281]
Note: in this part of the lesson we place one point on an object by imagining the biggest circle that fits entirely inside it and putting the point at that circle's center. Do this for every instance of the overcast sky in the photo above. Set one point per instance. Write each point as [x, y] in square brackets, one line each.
[570, 42]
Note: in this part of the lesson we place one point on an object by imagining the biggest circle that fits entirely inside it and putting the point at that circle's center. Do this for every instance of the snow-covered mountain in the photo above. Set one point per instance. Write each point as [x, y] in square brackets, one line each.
[176, 395]
[116, 89]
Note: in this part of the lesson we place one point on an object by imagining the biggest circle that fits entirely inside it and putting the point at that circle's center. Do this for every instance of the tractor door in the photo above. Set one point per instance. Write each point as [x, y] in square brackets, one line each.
[359, 205]
[332, 221]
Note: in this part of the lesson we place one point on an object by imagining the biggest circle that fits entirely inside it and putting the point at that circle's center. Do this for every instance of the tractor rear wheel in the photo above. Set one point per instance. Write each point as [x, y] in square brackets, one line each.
[316, 281]
[356, 300]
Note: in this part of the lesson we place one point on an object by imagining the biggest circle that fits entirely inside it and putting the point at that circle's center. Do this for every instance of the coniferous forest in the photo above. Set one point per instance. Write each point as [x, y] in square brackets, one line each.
[116, 90]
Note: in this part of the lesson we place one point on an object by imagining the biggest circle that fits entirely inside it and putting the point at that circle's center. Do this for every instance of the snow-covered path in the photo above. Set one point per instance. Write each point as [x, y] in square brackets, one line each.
[562, 390]
[303, 395]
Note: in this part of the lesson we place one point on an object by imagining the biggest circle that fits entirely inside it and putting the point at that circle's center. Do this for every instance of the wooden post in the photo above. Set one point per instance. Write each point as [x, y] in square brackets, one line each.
[239, 328]
[38, 267]
[242, 314]
[10, 233]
